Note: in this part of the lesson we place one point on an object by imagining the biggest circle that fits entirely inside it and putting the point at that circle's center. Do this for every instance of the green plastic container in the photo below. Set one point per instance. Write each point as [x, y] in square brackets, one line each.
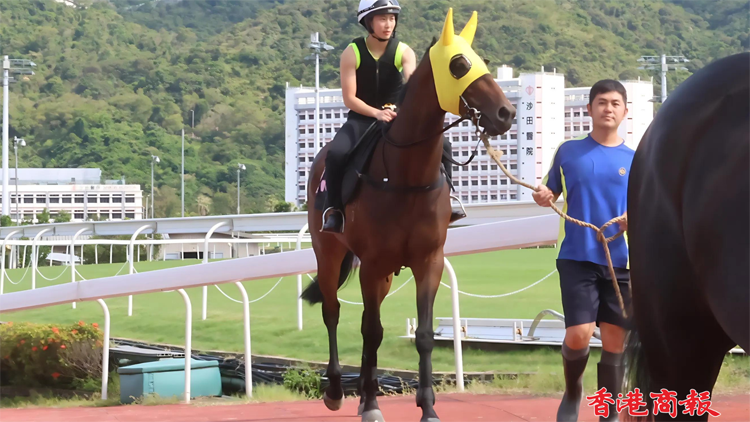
[167, 379]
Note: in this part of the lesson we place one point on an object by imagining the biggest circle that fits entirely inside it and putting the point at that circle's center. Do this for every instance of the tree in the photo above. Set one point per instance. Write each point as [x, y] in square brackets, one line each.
[283, 206]
[62, 217]
[6, 221]
[43, 217]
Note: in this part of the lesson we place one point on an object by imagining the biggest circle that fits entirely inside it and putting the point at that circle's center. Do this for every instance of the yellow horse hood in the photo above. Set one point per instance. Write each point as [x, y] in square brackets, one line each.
[454, 52]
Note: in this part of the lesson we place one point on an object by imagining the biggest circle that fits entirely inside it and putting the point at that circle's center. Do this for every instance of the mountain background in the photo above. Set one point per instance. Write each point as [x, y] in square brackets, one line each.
[116, 80]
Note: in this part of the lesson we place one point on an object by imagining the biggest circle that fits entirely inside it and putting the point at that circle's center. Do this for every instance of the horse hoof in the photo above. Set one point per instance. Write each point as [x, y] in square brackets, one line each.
[372, 416]
[430, 420]
[360, 409]
[332, 404]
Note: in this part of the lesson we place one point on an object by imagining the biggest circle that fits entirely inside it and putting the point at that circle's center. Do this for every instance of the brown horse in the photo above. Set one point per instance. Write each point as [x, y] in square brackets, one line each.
[393, 223]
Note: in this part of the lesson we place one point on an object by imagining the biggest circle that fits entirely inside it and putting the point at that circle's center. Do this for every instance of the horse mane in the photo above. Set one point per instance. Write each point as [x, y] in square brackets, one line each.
[402, 93]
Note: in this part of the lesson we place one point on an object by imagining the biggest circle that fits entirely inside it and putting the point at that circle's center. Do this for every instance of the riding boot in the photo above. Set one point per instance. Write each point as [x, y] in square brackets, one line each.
[571, 401]
[610, 376]
[448, 169]
[334, 222]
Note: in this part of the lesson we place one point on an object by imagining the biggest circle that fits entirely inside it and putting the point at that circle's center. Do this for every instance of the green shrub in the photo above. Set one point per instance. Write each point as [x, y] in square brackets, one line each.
[49, 355]
[304, 381]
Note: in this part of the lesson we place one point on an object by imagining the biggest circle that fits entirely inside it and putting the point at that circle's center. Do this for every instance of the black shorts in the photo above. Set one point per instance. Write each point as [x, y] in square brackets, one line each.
[589, 296]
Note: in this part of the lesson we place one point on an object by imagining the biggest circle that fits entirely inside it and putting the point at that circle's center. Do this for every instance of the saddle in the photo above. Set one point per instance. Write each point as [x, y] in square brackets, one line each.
[357, 162]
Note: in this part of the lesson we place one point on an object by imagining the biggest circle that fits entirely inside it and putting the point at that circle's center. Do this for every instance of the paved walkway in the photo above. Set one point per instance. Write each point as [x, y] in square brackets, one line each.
[450, 407]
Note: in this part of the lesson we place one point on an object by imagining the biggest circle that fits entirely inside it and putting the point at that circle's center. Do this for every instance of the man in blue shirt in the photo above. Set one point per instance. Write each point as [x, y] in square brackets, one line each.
[592, 174]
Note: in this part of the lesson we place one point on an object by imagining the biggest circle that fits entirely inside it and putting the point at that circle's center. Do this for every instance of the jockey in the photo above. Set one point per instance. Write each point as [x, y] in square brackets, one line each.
[373, 71]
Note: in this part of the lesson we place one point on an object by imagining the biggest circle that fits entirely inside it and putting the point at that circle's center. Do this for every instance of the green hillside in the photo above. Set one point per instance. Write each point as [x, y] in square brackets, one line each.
[117, 80]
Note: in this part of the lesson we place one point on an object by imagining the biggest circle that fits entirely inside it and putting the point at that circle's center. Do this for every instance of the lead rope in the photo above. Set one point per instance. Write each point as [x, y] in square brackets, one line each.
[496, 155]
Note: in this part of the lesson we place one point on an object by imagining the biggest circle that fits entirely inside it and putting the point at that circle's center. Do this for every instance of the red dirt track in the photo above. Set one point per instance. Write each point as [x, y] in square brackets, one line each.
[450, 407]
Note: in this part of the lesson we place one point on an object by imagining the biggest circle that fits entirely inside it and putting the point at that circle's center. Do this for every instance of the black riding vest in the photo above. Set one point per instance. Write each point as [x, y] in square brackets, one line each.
[378, 81]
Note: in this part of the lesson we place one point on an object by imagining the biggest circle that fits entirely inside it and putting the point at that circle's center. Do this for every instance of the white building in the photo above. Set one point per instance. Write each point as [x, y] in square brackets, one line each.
[547, 114]
[80, 192]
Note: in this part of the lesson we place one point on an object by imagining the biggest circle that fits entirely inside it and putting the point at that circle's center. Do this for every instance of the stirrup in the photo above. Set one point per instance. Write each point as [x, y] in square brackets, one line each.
[323, 222]
[459, 203]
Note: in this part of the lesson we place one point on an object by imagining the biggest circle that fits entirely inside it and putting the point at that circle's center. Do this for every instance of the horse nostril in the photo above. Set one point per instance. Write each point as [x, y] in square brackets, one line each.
[504, 114]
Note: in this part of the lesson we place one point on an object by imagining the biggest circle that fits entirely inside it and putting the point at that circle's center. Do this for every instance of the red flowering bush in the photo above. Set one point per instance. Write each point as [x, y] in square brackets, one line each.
[50, 355]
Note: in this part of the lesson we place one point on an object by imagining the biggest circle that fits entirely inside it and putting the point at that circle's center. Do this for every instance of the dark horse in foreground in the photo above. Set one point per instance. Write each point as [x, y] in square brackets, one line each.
[400, 215]
[689, 228]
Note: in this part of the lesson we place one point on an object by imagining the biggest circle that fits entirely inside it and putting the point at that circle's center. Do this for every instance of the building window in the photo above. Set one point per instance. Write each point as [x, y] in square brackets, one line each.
[474, 168]
[328, 115]
[465, 138]
[513, 136]
[474, 183]
[54, 200]
[503, 197]
[503, 181]
[513, 196]
[513, 166]
[484, 198]
[465, 198]
[493, 182]
[129, 215]
[513, 151]
[66, 199]
[117, 215]
[92, 199]
[328, 130]
[493, 197]
[484, 166]
[493, 166]
[567, 128]
[337, 115]
[117, 199]
[455, 168]
[484, 183]
[585, 127]
[302, 131]
[474, 198]
[576, 128]
[130, 200]
[465, 153]
[484, 152]
[455, 153]
[79, 199]
[455, 183]
[577, 114]
[302, 116]
[104, 200]
[586, 114]
[78, 215]
[41, 200]
[465, 183]
[28, 200]
[567, 114]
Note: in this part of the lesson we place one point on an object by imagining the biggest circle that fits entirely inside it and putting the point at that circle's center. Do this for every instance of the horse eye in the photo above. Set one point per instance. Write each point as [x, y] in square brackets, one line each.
[459, 66]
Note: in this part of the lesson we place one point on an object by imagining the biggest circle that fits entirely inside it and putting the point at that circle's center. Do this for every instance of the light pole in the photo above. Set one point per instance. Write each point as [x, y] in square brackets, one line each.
[240, 166]
[660, 63]
[182, 174]
[316, 45]
[22, 67]
[16, 143]
[154, 159]
[192, 122]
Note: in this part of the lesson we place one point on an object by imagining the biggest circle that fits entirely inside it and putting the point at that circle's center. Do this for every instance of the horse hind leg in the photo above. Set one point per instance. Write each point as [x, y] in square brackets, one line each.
[427, 278]
[333, 270]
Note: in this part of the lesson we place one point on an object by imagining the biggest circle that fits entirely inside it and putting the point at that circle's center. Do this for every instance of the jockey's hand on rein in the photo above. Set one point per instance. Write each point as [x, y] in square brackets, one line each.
[385, 115]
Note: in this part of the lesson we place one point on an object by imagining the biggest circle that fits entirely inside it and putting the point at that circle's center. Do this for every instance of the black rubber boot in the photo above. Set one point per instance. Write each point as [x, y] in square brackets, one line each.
[457, 215]
[610, 377]
[571, 401]
[334, 222]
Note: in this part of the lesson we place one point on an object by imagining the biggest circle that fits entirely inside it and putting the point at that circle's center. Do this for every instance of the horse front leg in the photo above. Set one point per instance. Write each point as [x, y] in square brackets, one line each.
[427, 276]
[374, 289]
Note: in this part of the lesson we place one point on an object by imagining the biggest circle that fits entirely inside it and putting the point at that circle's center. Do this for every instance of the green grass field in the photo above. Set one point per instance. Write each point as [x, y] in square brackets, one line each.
[159, 317]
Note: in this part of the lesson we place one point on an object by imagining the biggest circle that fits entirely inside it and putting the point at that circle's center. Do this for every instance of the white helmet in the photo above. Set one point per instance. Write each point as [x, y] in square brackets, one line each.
[376, 7]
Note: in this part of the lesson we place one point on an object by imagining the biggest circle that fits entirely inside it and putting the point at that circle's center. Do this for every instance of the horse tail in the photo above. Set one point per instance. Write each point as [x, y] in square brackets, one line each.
[312, 293]
[637, 374]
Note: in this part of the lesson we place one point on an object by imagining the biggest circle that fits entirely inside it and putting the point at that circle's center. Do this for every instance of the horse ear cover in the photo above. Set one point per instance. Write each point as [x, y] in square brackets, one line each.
[449, 45]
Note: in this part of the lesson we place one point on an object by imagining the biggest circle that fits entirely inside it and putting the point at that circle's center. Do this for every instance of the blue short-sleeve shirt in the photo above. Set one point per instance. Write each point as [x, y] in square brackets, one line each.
[593, 179]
